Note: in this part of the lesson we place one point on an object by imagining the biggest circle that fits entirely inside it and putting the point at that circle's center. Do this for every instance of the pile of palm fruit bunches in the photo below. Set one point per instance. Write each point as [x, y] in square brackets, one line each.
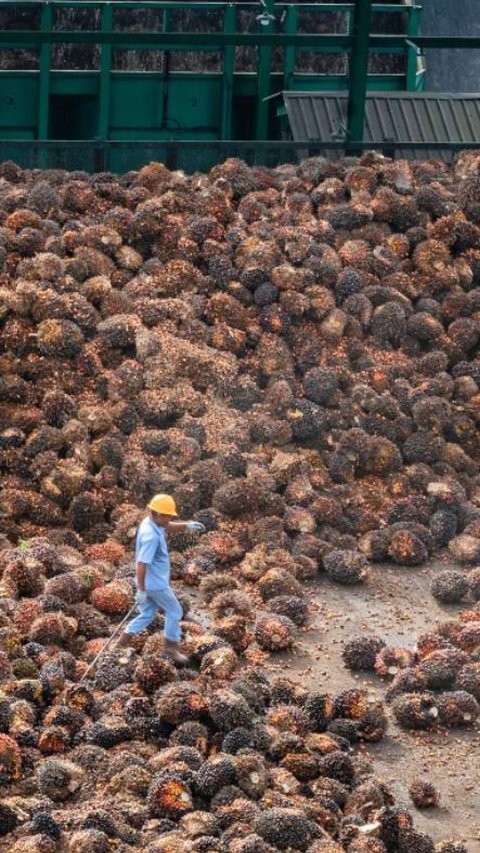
[291, 354]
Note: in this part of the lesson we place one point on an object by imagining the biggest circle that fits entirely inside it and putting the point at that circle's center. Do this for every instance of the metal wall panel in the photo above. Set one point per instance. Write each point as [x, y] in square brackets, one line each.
[394, 117]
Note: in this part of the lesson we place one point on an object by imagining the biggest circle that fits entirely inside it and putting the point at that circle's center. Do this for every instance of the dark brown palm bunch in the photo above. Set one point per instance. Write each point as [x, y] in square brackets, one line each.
[360, 653]
[435, 685]
[450, 586]
[424, 795]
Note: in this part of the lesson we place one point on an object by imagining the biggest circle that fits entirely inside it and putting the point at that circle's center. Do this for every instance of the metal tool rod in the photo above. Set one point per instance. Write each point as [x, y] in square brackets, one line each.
[109, 642]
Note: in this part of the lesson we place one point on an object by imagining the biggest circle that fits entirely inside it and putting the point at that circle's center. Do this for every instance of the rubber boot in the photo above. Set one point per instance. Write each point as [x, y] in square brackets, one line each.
[172, 651]
[124, 640]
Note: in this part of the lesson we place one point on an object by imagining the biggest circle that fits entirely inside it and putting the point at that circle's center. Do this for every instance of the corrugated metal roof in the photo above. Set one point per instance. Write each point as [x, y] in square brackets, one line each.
[389, 117]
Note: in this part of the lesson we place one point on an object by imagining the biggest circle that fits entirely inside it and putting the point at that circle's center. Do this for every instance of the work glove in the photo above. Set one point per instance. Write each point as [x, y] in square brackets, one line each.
[197, 526]
[140, 596]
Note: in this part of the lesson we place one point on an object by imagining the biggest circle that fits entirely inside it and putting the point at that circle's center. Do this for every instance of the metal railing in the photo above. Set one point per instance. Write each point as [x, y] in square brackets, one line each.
[192, 156]
[359, 42]
[277, 25]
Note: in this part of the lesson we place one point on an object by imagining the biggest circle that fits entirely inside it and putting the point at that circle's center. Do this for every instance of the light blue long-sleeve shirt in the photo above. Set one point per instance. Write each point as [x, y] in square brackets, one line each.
[151, 548]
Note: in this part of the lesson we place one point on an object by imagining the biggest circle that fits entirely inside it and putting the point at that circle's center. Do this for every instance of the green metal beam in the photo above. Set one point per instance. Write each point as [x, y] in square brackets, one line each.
[320, 8]
[228, 73]
[242, 144]
[357, 70]
[44, 74]
[165, 91]
[160, 41]
[105, 75]
[413, 24]
[264, 68]
[217, 41]
[291, 22]
[431, 42]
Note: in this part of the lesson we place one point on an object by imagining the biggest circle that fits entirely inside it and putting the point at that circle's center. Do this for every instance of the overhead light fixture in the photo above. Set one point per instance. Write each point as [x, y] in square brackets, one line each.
[265, 18]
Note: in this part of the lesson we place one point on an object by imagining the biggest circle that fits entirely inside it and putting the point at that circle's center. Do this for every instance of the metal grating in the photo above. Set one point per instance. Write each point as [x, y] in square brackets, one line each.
[394, 117]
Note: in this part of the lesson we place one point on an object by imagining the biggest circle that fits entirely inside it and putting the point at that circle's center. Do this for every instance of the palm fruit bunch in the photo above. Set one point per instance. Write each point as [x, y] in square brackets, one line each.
[360, 653]
[436, 684]
[424, 795]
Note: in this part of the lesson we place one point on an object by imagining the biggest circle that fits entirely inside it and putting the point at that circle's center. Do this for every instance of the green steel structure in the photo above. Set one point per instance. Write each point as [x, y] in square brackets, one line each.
[108, 104]
[108, 108]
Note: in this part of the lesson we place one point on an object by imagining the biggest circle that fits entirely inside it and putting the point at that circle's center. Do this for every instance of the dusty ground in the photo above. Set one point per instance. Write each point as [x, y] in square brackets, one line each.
[396, 604]
[398, 608]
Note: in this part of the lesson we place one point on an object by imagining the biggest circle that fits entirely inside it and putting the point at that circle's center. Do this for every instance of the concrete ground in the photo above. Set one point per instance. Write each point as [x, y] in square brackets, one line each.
[395, 604]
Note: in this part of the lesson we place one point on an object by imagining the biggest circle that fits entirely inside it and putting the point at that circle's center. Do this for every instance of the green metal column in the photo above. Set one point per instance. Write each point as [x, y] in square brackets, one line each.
[357, 72]
[263, 75]
[46, 19]
[105, 75]
[228, 72]
[412, 51]
[290, 52]
[165, 74]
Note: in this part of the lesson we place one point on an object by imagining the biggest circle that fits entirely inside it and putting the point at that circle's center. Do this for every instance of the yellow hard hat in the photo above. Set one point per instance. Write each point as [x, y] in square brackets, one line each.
[163, 504]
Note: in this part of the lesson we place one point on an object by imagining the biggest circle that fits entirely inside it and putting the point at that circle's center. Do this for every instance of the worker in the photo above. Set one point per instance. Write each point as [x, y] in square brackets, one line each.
[152, 566]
